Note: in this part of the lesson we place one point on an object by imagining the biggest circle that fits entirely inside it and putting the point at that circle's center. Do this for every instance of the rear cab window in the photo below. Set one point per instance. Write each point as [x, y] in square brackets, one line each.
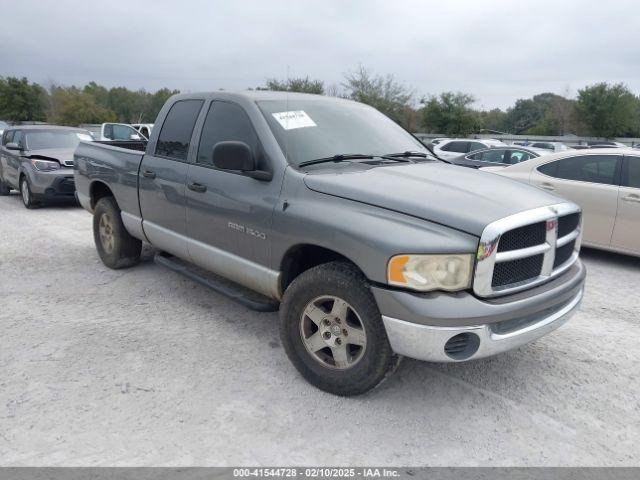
[177, 129]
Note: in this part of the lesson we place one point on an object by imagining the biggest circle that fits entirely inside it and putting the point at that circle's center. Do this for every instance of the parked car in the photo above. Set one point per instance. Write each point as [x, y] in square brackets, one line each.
[113, 131]
[37, 160]
[605, 144]
[496, 156]
[143, 128]
[605, 183]
[436, 141]
[450, 149]
[3, 126]
[551, 146]
[334, 214]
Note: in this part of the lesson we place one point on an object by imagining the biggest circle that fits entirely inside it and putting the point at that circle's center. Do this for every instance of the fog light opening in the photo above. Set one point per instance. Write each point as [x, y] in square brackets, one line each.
[462, 346]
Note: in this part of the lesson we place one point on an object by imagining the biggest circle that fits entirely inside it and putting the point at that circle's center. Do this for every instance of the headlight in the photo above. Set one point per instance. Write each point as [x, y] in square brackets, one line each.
[431, 272]
[45, 165]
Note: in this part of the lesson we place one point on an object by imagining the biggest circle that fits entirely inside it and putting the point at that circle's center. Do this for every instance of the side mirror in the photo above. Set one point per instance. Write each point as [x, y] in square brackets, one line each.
[233, 156]
[13, 146]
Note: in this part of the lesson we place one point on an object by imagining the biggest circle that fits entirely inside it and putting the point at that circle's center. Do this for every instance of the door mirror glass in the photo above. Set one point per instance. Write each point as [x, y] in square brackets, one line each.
[233, 155]
[13, 146]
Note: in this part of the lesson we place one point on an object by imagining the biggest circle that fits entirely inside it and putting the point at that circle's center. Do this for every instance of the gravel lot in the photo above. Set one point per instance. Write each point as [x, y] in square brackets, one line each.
[144, 367]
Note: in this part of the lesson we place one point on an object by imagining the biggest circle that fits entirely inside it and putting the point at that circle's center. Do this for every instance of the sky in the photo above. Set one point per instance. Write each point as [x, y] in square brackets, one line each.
[498, 51]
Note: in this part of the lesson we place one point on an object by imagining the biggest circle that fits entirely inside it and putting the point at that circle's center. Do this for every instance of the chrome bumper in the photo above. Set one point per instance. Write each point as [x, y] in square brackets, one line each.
[427, 343]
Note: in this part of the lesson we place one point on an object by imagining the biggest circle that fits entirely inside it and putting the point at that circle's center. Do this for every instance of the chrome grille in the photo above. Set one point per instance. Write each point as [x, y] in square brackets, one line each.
[527, 249]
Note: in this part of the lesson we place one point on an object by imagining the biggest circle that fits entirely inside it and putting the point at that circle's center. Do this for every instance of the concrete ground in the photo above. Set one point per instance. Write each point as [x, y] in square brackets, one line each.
[144, 367]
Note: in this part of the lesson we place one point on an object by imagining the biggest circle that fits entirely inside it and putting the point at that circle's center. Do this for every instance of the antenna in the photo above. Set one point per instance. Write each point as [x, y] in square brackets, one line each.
[286, 133]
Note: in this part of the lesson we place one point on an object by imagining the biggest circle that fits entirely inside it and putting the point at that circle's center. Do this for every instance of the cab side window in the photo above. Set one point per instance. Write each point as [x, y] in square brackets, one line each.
[175, 135]
[225, 122]
[603, 169]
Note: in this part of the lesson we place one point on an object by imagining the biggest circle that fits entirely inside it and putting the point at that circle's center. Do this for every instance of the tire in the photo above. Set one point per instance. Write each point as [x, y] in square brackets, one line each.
[25, 193]
[116, 248]
[4, 188]
[311, 312]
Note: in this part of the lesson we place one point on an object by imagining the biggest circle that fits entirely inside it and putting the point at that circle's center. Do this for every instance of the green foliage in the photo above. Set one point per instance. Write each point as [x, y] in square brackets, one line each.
[71, 106]
[302, 85]
[381, 92]
[21, 100]
[450, 113]
[543, 114]
[494, 120]
[608, 110]
[602, 110]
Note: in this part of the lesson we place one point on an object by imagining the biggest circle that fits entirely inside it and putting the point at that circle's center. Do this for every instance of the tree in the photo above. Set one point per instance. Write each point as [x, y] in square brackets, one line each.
[450, 114]
[381, 92]
[21, 100]
[71, 106]
[494, 120]
[300, 84]
[607, 110]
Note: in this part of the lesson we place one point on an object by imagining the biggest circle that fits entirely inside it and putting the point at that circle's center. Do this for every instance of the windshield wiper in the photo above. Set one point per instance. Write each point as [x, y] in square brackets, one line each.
[337, 158]
[405, 155]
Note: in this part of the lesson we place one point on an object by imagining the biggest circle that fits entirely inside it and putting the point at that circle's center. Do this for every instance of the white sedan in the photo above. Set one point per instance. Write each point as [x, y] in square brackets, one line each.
[604, 182]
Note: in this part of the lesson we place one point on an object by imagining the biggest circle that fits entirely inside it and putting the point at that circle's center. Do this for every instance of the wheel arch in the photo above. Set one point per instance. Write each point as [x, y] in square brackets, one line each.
[98, 190]
[301, 257]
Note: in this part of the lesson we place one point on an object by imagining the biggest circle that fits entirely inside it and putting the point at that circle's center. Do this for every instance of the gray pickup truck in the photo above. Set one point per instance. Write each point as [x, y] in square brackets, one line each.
[371, 248]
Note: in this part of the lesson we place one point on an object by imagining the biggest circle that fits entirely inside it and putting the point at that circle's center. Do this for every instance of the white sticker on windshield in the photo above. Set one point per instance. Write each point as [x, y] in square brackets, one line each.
[294, 119]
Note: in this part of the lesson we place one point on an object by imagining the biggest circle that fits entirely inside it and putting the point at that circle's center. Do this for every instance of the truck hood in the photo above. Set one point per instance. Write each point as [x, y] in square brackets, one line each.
[458, 197]
[63, 155]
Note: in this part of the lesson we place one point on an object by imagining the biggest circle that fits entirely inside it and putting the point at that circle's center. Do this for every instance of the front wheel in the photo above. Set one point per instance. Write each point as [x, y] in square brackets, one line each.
[332, 330]
[117, 249]
[25, 193]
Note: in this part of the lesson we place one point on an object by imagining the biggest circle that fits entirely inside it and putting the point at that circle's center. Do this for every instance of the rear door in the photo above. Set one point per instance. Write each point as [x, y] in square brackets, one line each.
[591, 181]
[626, 233]
[162, 179]
[229, 214]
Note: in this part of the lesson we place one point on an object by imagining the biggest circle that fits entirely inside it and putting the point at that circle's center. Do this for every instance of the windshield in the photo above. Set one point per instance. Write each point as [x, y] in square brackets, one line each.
[312, 129]
[41, 139]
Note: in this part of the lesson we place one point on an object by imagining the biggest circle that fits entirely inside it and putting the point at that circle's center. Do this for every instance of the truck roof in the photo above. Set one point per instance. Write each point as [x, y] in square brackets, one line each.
[257, 95]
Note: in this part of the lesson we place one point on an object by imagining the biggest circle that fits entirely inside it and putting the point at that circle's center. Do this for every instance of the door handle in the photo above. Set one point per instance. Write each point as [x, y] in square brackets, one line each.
[148, 174]
[631, 198]
[197, 187]
[547, 186]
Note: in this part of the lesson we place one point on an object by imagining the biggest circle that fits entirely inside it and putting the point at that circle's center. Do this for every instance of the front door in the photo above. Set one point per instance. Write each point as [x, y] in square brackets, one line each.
[229, 214]
[162, 177]
[591, 181]
[12, 159]
[626, 233]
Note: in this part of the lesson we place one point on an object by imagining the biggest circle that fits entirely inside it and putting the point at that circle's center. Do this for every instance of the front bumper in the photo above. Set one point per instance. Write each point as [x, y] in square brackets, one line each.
[58, 184]
[424, 326]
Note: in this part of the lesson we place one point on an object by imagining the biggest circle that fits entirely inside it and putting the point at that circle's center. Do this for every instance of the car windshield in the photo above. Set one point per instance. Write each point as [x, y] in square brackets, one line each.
[311, 129]
[41, 139]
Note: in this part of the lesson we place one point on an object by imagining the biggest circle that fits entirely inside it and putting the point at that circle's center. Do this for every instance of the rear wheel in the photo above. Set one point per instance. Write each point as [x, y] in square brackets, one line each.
[25, 193]
[116, 248]
[332, 330]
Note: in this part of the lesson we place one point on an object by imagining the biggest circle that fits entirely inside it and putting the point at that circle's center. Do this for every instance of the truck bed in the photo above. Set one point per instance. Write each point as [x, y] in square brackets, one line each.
[114, 164]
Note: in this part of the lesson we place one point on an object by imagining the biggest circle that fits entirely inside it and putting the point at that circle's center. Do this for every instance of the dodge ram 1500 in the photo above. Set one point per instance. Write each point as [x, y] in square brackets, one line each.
[370, 247]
